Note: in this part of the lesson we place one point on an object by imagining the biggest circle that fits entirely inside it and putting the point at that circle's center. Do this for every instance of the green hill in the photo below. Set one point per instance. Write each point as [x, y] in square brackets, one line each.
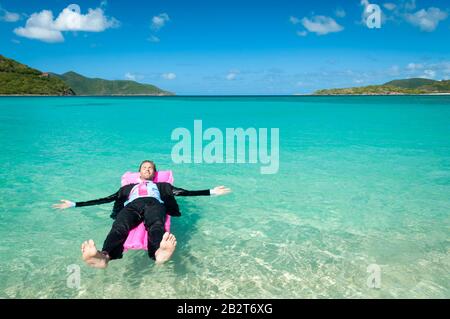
[19, 79]
[413, 83]
[405, 86]
[82, 85]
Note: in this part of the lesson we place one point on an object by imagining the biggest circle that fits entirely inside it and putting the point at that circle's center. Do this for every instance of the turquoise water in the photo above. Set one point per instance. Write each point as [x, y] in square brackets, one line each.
[362, 180]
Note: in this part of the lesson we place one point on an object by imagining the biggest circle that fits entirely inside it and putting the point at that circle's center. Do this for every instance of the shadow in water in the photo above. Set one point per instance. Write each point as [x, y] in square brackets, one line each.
[184, 228]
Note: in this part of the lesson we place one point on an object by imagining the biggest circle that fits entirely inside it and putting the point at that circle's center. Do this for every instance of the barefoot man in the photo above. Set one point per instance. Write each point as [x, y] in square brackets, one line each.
[144, 201]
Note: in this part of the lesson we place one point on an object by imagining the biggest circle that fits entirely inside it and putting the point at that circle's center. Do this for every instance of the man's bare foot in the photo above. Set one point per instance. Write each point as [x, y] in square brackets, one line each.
[92, 256]
[166, 248]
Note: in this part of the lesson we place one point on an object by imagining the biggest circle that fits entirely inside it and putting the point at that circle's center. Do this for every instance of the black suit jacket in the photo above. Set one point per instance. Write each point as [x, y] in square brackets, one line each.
[166, 191]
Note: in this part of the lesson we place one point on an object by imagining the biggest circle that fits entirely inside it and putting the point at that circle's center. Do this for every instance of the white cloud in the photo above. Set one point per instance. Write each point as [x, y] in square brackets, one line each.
[446, 68]
[71, 19]
[427, 70]
[231, 76]
[390, 6]
[42, 26]
[169, 76]
[302, 33]
[405, 10]
[427, 20]
[428, 74]
[411, 5]
[321, 25]
[340, 13]
[153, 38]
[294, 20]
[130, 76]
[9, 16]
[394, 70]
[414, 66]
[159, 21]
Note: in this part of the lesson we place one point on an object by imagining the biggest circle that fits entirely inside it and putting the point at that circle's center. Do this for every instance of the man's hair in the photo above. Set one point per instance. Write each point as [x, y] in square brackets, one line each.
[147, 161]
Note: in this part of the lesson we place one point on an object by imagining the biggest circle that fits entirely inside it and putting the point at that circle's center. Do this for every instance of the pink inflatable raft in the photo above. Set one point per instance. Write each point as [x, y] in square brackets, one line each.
[137, 238]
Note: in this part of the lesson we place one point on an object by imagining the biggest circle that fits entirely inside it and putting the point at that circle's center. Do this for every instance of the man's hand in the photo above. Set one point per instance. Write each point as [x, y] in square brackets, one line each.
[220, 190]
[64, 204]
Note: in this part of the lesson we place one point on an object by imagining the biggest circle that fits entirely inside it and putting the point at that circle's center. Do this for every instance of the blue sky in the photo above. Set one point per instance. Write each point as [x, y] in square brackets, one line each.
[231, 47]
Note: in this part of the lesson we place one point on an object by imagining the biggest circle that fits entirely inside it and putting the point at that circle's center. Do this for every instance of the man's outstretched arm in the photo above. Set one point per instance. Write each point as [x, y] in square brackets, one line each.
[68, 204]
[219, 190]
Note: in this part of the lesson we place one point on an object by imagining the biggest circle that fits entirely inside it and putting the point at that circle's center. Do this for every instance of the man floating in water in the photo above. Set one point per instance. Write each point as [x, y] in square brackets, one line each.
[144, 201]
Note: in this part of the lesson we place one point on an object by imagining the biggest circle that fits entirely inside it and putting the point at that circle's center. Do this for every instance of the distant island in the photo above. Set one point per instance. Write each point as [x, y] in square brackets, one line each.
[396, 87]
[82, 85]
[19, 79]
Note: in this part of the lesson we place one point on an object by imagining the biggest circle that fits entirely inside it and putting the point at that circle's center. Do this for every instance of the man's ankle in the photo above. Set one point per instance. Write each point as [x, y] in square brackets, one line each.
[105, 253]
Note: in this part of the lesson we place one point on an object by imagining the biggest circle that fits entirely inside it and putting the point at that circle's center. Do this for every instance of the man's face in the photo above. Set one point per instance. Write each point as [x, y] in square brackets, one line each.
[147, 171]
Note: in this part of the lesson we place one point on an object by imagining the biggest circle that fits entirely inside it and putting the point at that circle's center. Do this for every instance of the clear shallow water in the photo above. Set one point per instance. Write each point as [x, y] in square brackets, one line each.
[362, 180]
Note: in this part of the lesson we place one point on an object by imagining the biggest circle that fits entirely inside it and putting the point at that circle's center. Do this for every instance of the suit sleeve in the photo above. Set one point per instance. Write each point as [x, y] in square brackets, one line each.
[99, 201]
[176, 191]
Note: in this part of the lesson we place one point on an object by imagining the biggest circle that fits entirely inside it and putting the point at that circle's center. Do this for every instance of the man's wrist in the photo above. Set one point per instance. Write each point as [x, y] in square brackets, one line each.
[72, 204]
